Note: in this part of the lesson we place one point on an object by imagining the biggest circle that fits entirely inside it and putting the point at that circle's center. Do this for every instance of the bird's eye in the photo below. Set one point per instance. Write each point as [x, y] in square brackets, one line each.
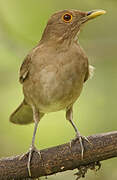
[67, 17]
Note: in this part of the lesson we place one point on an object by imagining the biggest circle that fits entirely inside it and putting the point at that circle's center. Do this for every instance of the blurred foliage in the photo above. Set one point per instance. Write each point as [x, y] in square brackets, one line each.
[21, 25]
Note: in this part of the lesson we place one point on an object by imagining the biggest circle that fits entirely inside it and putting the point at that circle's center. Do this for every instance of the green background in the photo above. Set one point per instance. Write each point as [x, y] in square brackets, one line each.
[21, 25]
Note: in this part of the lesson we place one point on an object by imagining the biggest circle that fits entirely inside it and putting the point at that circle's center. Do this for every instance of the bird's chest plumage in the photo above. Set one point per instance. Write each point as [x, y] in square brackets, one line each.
[58, 84]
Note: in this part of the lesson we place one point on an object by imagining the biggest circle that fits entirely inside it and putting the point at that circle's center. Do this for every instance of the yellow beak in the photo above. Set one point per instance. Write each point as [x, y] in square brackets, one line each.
[95, 13]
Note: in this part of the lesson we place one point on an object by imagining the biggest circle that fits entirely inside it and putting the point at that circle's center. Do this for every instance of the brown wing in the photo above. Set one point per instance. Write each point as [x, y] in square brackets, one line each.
[24, 70]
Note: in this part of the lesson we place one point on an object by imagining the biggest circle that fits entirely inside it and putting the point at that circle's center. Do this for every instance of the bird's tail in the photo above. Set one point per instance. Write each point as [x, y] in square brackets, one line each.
[22, 115]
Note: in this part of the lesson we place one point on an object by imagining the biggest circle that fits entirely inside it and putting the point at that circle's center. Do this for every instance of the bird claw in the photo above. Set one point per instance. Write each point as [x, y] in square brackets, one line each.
[31, 150]
[29, 154]
[23, 155]
[80, 138]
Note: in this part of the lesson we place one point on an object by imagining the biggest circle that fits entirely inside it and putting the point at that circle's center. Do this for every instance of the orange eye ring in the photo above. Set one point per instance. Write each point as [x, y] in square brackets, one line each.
[67, 17]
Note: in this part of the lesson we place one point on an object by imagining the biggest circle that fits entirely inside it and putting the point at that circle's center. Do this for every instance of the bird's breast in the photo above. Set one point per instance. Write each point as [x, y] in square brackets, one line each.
[58, 84]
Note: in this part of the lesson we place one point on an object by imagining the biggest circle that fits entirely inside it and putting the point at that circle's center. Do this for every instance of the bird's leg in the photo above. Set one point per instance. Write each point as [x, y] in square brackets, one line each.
[36, 116]
[69, 116]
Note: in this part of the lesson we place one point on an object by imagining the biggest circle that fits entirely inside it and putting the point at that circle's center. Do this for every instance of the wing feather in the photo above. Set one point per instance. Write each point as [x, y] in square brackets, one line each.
[24, 70]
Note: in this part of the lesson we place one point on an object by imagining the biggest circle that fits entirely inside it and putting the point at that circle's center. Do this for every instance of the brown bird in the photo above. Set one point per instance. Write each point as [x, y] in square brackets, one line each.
[53, 73]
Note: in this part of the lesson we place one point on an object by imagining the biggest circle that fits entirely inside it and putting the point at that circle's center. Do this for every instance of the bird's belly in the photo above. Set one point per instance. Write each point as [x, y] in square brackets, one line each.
[58, 101]
[58, 95]
[54, 91]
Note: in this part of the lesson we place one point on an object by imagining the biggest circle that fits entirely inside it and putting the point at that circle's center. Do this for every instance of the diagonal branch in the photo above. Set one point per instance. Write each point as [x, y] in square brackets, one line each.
[61, 158]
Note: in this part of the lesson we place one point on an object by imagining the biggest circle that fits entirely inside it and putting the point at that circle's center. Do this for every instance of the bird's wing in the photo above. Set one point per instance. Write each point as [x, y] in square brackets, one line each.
[89, 73]
[24, 70]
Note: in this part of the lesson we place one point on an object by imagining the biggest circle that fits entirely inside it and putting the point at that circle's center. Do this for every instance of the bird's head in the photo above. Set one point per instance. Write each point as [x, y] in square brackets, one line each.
[65, 25]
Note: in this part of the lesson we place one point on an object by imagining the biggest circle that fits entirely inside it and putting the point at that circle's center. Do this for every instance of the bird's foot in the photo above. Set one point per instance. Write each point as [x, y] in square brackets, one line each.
[29, 154]
[31, 150]
[80, 138]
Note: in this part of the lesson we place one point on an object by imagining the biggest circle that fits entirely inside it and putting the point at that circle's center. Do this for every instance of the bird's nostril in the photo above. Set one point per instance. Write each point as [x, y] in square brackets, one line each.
[89, 13]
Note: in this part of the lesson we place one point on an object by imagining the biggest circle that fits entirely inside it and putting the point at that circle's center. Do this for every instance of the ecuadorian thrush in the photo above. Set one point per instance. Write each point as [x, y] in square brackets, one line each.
[54, 72]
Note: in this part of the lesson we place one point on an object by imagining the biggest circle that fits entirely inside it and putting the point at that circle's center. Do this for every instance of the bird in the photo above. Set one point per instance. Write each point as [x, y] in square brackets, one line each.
[54, 72]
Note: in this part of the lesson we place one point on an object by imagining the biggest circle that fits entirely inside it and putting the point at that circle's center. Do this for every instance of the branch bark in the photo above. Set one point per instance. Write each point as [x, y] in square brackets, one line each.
[61, 158]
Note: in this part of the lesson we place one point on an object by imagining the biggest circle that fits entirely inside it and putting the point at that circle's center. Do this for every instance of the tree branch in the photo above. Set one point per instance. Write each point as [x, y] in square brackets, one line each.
[61, 158]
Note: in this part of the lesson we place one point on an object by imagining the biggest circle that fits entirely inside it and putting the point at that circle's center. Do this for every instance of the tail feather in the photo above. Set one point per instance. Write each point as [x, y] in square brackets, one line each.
[22, 115]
